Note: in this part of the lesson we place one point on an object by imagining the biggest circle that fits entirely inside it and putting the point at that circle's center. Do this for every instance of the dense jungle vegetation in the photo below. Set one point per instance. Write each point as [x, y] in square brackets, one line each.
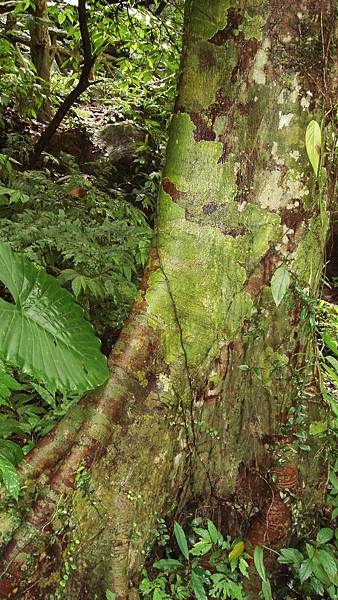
[82, 211]
[86, 96]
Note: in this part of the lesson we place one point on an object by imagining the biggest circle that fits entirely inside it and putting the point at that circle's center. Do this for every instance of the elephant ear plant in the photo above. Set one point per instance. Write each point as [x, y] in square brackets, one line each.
[44, 335]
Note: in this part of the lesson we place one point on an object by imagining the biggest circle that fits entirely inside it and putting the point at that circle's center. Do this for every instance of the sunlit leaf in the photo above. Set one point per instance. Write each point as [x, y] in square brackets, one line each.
[236, 551]
[313, 142]
[280, 283]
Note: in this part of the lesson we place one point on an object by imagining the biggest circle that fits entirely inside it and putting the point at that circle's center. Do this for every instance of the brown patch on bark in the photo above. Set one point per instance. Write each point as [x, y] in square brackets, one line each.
[206, 58]
[170, 188]
[295, 217]
[245, 176]
[271, 525]
[245, 109]
[210, 208]
[220, 107]
[234, 19]
[266, 269]
[234, 232]
[220, 365]
[222, 158]
[203, 131]
[247, 50]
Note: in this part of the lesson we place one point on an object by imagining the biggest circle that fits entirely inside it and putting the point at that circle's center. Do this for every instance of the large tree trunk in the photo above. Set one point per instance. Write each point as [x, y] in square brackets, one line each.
[204, 371]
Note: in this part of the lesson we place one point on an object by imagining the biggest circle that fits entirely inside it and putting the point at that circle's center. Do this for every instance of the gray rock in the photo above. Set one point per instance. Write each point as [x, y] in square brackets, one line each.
[117, 140]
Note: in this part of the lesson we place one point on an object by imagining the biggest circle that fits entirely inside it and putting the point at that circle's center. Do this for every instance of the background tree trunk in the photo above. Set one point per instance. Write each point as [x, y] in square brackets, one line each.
[40, 53]
[84, 82]
[195, 412]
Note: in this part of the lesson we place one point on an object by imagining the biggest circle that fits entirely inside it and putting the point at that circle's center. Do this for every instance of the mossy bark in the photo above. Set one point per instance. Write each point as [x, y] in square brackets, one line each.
[205, 369]
[40, 53]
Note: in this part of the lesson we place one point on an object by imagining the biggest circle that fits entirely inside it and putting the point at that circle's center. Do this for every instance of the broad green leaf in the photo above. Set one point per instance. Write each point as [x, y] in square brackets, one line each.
[259, 563]
[310, 550]
[333, 362]
[266, 589]
[290, 556]
[280, 283]
[181, 540]
[110, 595]
[313, 142]
[10, 477]
[330, 342]
[318, 427]
[333, 592]
[317, 586]
[11, 450]
[305, 570]
[324, 535]
[236, 551]
[203, 533]
[243, 567]
[197, 586]
[319, 571]
[201, 548]
[333, 375]
[44, 331]
[334, 480]
[328, 563]
[214, 533]
[78, 283]
[9, 426]
[236, 590]
[167, 564]
[45, 394]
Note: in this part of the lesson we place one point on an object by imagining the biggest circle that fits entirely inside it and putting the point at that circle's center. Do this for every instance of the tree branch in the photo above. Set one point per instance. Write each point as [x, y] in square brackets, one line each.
[83, 22]
[88, 63]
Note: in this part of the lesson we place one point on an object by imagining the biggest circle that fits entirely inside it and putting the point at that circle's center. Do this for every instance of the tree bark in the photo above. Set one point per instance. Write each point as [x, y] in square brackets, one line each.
[40, 53]
[201, 378]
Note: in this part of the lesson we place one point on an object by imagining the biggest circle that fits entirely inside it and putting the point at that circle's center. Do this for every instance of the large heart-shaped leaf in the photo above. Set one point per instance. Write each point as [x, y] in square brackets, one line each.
[44, 331]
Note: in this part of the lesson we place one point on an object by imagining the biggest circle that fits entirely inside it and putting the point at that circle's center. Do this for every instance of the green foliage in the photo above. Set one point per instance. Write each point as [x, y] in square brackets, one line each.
[84, 230]
[20, 87]
[315, 567]
[96, 245]
[259, 564]
[28, 410]
[43, 332]
[211, 568]
[313, 564]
